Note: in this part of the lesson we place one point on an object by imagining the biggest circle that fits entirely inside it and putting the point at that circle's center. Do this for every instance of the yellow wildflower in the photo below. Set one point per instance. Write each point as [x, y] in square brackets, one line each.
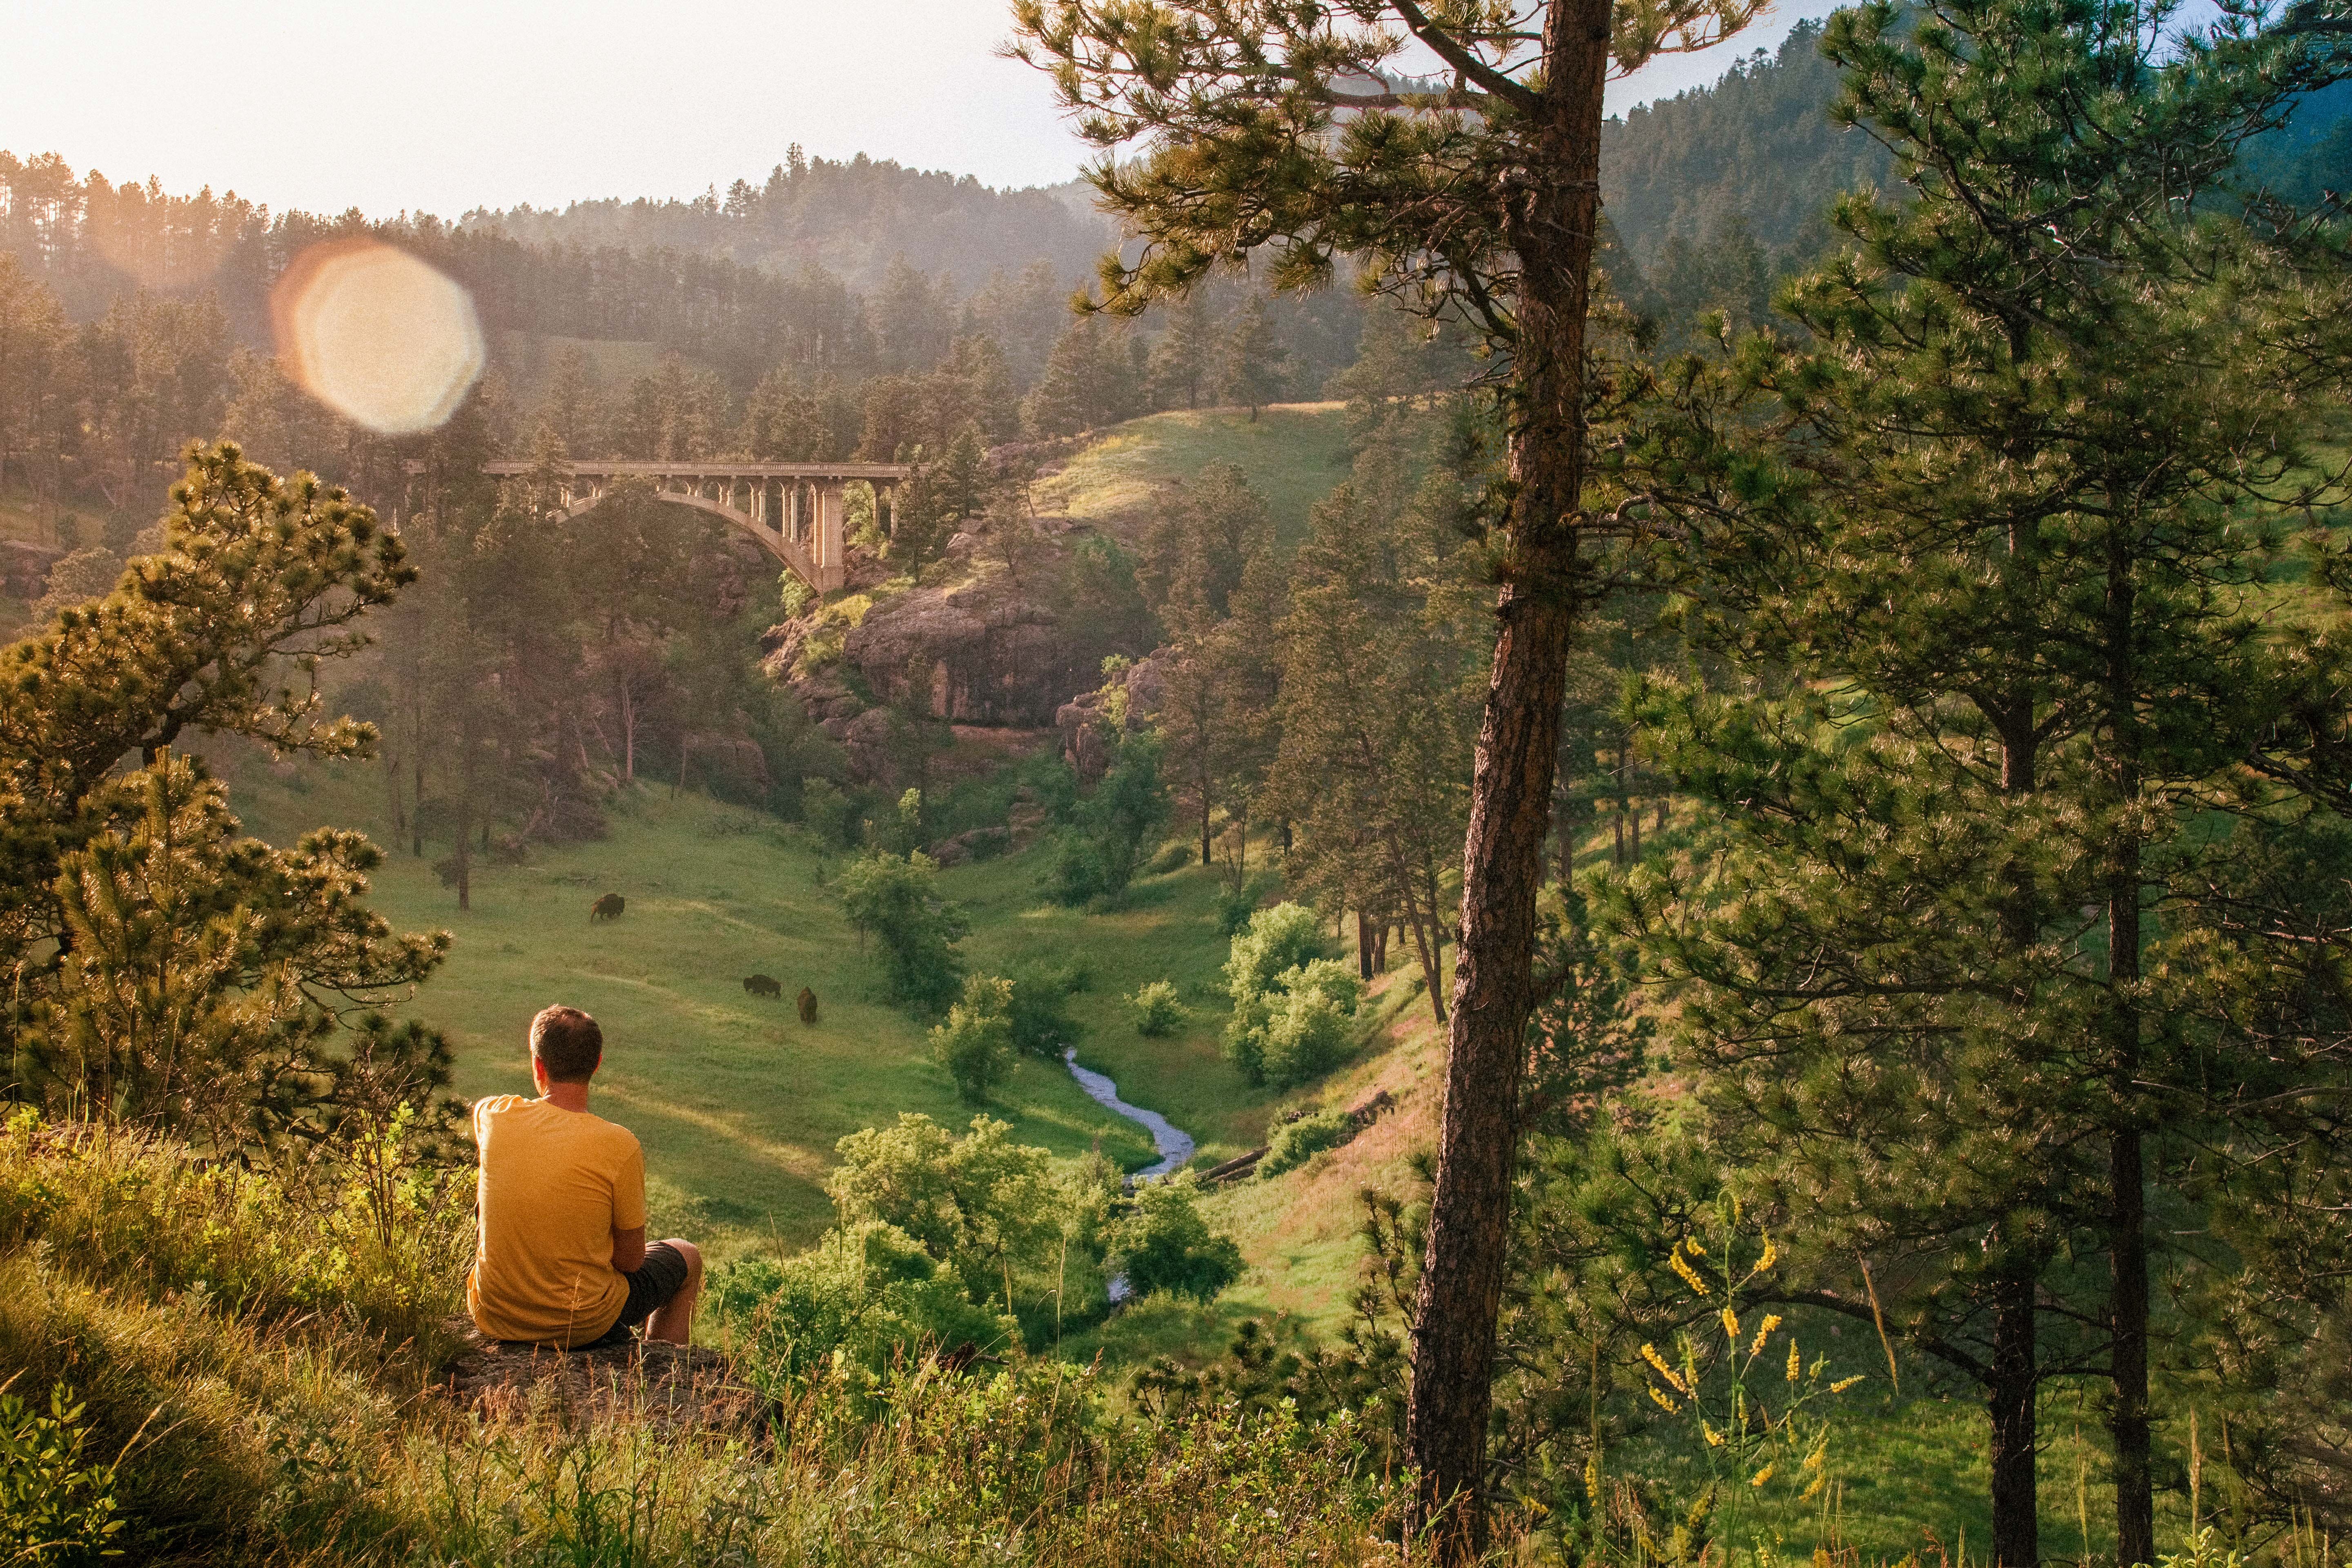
[1760, 1476]
[1695, 1249]
[1714, 1437]
[1593, 1475]
[1658, 1364]
[1793, 1362]
[1764, 1331]
[1731, 1325]
[1814, 1490]
[1842, 1384]
[1690, 1276]
[1670, 1407]
[1771, 1253]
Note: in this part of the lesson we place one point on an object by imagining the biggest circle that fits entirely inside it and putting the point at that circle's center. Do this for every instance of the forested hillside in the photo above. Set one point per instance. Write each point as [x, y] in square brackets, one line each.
[1755, 151]
[852, 217]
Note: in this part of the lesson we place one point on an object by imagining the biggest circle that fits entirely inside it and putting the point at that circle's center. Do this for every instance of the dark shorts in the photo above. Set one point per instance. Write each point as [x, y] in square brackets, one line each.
[654, 1285]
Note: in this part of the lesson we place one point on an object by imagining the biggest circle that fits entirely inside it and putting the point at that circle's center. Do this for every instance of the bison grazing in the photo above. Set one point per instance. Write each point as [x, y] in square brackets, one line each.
[808, 1006]
[607, 908]
[762, 985]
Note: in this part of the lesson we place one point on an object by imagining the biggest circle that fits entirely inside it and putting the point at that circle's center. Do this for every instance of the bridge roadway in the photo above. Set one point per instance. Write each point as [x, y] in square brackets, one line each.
[793, 509]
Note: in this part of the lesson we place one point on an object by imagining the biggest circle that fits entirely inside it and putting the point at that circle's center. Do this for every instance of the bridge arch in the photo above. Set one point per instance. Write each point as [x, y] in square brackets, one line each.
[776, 544]
[793, 509]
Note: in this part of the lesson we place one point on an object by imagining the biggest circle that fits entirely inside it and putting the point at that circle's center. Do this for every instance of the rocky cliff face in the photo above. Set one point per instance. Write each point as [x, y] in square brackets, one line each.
[992, 640]
[1086, 728]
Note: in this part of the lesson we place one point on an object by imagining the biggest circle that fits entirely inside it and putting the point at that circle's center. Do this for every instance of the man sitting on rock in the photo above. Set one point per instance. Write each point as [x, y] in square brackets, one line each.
[560, 1254]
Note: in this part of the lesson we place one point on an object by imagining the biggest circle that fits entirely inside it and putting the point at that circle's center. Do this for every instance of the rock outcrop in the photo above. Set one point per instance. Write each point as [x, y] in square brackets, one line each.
[988, 642]
[24, 567]
[673, 1387]
[1086, 728]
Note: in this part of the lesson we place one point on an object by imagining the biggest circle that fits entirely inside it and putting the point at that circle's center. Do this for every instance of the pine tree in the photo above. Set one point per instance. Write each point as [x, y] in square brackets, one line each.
[1381, 667]
[165, 969]
[1222, 125]
[1183, 357]
[1996, 548]
[1255, 370]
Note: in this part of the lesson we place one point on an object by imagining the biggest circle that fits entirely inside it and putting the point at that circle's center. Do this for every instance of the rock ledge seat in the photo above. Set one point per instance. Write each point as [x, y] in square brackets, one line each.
[672, 1387]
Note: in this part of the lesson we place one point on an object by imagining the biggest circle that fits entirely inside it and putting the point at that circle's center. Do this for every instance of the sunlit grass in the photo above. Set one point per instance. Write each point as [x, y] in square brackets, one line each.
[1293, 453]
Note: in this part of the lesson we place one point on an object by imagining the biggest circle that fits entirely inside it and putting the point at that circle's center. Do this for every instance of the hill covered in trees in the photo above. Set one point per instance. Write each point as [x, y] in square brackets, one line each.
[852, 217]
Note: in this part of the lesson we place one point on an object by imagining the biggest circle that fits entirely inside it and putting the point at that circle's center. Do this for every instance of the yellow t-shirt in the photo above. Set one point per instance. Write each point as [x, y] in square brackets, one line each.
[555, 1184]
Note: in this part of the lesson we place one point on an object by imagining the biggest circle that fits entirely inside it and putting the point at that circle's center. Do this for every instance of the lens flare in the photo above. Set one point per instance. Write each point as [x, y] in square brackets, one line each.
[377, 335]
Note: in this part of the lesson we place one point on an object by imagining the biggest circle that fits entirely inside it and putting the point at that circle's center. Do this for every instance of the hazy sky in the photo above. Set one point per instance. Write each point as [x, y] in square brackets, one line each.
[444, 105]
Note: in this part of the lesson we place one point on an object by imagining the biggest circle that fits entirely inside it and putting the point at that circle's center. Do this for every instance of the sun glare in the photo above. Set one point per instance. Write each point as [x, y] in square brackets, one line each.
[376, 335]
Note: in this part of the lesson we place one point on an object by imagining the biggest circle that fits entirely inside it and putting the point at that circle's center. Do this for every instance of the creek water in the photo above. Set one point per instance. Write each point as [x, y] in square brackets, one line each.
[1175, 1144]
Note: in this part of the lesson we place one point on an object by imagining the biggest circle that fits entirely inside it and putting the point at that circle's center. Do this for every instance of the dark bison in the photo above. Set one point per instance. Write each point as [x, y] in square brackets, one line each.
[762, 985]
[808, 1006]
[607, 908]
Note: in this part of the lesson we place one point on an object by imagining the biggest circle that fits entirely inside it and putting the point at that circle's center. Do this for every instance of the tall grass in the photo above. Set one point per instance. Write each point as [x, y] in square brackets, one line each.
[260, 1353]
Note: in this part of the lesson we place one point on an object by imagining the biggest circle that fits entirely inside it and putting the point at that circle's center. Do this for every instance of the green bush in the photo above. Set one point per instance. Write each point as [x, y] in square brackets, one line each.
[826, 812]
[57, 1507]
[1042, 1024]
[1164, 1245]
[1100, 850]
[975, 1044]
[1287, 936]
[1235, 906]
[1174, 856]
[1291, 1006]
[1293, 1143]
[867, 1296]
[897, 901]
[1305, 1036]
[1155, 1009]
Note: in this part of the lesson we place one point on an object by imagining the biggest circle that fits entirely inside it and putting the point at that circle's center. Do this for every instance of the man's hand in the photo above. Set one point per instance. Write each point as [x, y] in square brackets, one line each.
[629, 1251]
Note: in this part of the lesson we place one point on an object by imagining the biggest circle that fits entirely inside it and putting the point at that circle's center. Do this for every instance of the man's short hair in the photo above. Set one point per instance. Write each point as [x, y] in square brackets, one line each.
[568, 1042]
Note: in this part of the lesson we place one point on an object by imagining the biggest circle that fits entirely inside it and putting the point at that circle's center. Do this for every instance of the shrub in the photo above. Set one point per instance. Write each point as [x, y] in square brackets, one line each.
[1155, 1009]
[826, 812]
[1234, 907]
[1042, 1024]
[1294, 1142]
[1305, 1036]
[897, 899]
[56, 1506]
[1164, 1245]
[1291, 1006]
[1174, 856]
[975, 1044]
[1287, 936]
[1103, 846]
[865, 1296]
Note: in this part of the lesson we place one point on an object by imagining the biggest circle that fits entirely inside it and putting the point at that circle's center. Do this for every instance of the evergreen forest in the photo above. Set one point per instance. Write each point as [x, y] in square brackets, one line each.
[1420, 827]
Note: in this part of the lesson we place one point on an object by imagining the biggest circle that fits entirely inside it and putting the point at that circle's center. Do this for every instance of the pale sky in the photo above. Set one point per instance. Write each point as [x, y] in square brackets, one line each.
[445, 105]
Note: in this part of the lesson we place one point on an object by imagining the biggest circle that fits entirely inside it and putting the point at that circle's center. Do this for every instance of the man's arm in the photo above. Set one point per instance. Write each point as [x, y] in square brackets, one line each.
[628, 1250]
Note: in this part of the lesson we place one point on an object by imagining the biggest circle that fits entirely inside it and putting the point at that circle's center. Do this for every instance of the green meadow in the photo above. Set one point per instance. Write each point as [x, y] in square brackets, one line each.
[1293, 454]
[739, 1104]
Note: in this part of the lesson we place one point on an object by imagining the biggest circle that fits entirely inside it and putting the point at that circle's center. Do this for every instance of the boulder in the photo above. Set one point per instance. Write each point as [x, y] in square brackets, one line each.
[989, 649]
[1086, 732]
[24, 567]
[675, 1388]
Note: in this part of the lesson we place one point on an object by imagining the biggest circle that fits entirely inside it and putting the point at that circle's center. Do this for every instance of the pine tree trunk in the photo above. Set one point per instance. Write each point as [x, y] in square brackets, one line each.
[1459, 1301]
[1363, 947]
[2009, 1399]
[2128, 1421]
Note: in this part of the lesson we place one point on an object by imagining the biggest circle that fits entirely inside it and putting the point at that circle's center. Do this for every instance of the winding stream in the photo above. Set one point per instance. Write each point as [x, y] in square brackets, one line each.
[1175, 1144]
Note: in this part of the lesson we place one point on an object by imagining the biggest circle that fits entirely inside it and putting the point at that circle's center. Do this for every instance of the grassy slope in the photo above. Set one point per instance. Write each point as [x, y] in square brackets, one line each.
[737, 1104]
[1293, 453]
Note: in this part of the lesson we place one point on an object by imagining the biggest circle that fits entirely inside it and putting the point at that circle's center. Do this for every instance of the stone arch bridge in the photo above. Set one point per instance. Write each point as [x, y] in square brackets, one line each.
[793, 509]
